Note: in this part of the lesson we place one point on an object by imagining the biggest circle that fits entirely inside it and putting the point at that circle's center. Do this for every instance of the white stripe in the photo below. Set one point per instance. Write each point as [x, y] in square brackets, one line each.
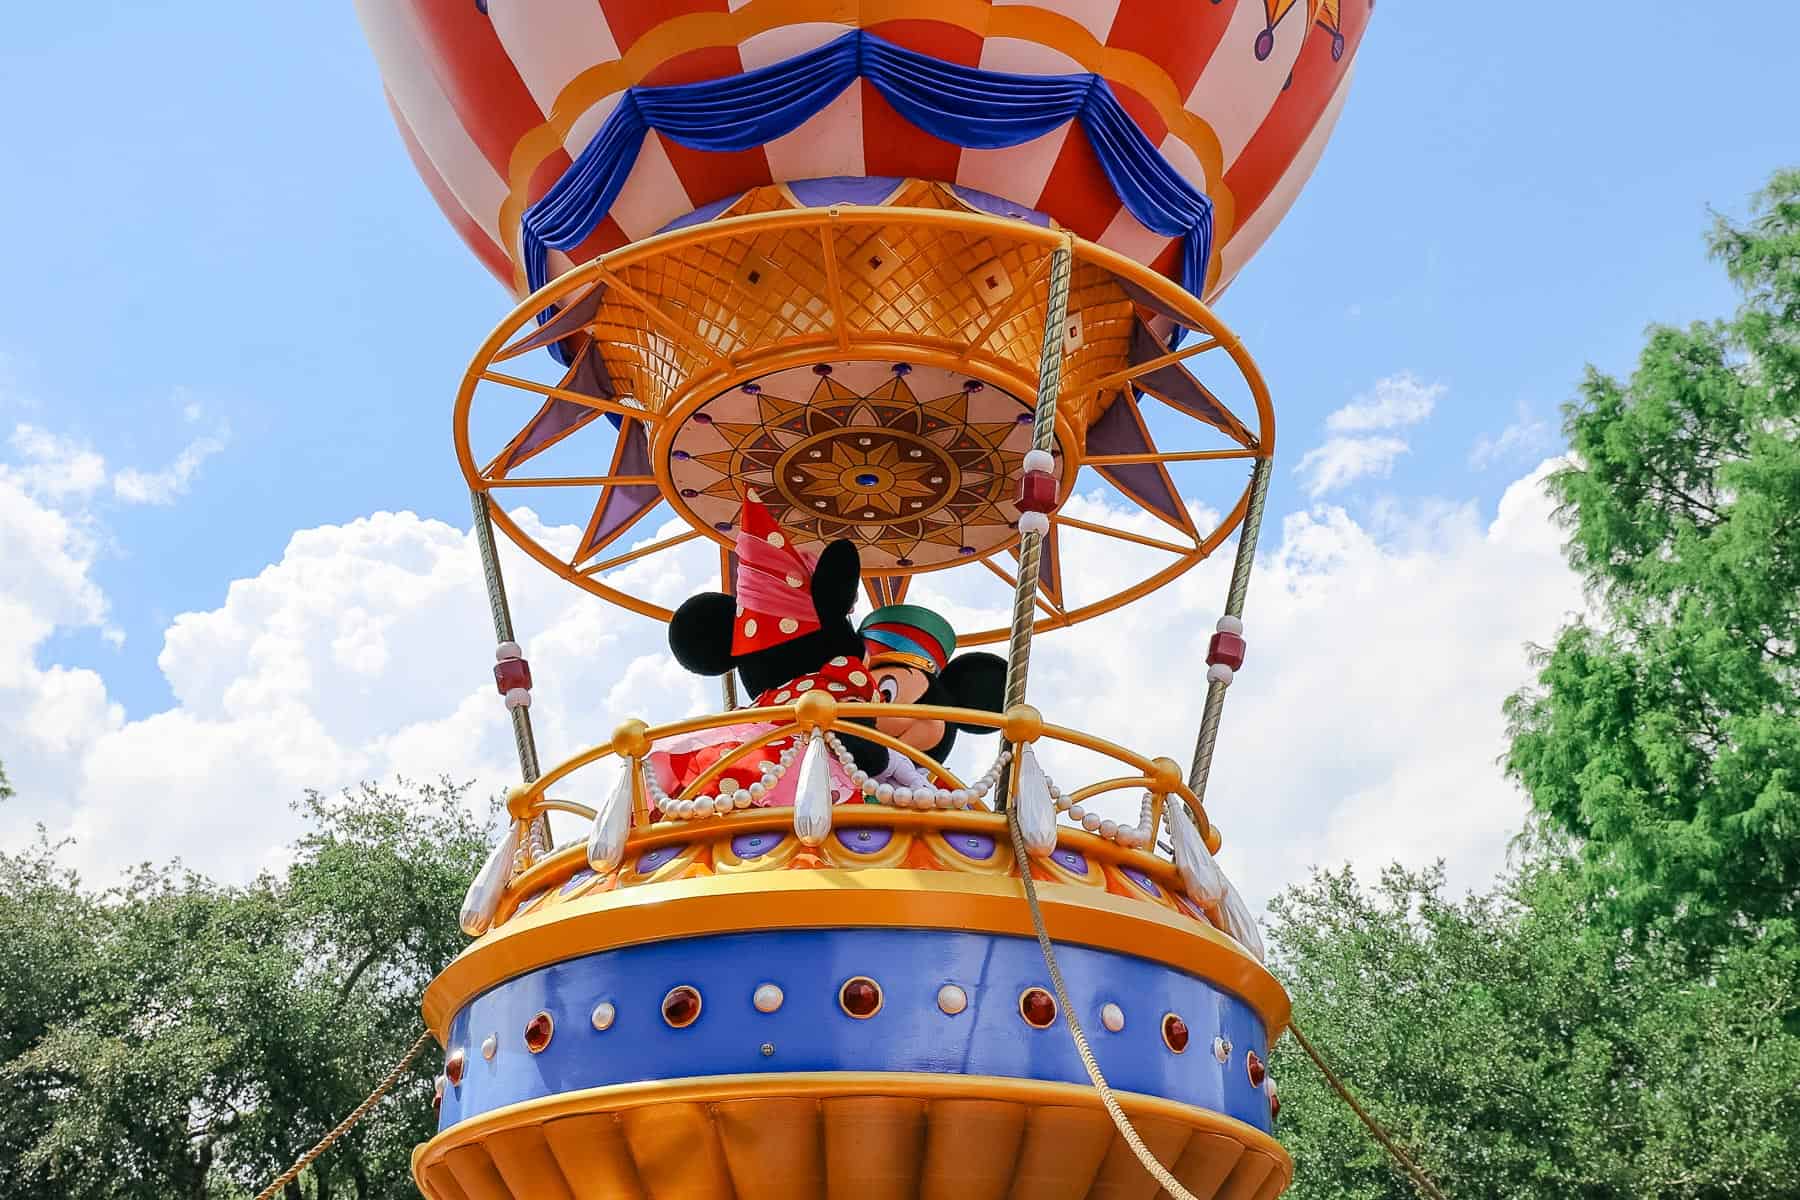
[550, 42]
[1127, 235]
[1235, 92]
[1019, 173]
[1016, 56]
[785, 41]
[588, 123]
[1185, 161]
[653, 195]
[428, 113]
[1096, 16]
[1248, 239]
[829, 143]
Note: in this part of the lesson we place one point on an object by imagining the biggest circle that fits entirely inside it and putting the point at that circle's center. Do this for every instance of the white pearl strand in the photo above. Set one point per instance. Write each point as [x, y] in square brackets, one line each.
[1125, 835]
[727, 798]
[923, 797]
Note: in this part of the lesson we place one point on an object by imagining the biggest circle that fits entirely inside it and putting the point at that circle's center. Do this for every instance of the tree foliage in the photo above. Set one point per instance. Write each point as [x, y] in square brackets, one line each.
[175, 1037]
[1518, 1057]
[1620, 1016]
[1665, 736]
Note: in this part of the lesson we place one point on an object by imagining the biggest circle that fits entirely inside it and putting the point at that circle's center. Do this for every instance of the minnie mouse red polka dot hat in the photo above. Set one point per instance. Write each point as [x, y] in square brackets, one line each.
[774, 584]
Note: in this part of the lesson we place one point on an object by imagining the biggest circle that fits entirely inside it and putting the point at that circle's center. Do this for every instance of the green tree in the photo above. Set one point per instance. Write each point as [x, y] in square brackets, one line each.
[1518, 1058]
[1665, 736]
[175, 1037]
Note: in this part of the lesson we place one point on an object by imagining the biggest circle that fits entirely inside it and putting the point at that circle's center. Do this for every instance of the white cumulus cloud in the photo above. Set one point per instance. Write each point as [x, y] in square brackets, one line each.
[1524, 439]
[1364, 725]
[1362, 444]
[135, 486]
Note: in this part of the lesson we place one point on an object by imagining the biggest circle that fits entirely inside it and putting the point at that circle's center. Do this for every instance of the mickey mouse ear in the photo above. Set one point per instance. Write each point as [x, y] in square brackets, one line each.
[700, 633]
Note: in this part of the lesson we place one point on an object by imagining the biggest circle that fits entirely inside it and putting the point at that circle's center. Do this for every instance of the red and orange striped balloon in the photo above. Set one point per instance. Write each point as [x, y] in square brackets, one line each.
[495, 99]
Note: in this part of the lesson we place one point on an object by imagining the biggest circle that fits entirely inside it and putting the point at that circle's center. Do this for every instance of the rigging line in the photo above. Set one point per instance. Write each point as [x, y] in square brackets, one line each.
[344, 1126]
[1419, 1178]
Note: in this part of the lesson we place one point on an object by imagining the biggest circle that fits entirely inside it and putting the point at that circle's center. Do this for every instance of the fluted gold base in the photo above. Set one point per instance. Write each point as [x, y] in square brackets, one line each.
[837, 1136]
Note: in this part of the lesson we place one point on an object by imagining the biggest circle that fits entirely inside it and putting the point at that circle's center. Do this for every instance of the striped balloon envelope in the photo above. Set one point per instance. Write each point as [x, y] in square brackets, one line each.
[1176, 132]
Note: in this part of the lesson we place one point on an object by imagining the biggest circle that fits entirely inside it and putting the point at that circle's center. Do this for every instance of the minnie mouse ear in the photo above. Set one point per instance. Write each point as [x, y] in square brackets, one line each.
[834, 580]
[700, 633]
[975, 680]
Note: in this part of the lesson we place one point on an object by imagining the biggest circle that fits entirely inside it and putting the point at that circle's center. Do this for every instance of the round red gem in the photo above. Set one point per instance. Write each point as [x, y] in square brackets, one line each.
[437, 1095]
[860, 997]
[1038, 1007]
[681, 1007]
[538, 1031]
[1274, 1101]
[1175, 1032]
[453, 1067]
[1254, 1065]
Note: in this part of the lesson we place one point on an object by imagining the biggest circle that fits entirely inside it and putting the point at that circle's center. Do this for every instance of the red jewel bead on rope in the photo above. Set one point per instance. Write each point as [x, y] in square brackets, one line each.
[510, 673]
[1037, 492]
[1226, 648]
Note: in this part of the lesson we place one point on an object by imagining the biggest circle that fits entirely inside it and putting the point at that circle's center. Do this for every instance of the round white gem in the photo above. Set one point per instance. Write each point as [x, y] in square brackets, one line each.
[506, 650]
[1092, 822]
[490, 1045]
[952, 999]
[1113, 1017]
[603, 1015]
[1221, 1049]
[1229, 624]
[767, 998]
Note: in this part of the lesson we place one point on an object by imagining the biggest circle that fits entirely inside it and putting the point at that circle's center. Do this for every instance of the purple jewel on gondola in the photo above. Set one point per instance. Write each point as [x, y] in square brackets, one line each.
[754, 845]
[656, 858]
[865, 841]
[978, 846]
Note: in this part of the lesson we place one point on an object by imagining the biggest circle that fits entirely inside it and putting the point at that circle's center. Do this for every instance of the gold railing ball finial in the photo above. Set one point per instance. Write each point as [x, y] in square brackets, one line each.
[630, 739]
[1165, 775]
[519, 801]
[816, 710]
[1023, 724]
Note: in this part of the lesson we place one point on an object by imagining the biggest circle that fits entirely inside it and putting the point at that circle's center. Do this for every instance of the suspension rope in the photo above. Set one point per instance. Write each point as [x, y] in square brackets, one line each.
[1043, 437]
[1419, 1178]
[1120, 1121]
[344, 1126]
[537, 842]
[1208, 740]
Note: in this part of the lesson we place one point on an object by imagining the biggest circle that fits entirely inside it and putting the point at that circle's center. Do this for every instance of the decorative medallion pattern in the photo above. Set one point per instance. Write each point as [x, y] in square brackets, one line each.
[918, 466]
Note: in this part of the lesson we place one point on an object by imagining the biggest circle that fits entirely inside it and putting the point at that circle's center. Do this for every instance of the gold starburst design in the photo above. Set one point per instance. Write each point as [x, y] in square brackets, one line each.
[919, 468]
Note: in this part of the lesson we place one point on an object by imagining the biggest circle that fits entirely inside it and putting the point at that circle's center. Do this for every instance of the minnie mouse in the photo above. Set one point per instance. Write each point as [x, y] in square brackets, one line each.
[788, 631]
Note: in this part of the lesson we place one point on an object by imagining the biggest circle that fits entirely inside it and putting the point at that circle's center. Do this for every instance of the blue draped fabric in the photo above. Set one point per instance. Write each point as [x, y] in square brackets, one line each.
[966, 106]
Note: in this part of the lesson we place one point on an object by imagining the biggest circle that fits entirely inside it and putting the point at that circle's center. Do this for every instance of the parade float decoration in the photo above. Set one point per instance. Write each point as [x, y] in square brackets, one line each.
[853, 297]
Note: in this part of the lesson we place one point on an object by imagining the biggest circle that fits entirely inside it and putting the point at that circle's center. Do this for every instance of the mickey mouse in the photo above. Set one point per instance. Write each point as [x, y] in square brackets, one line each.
[909, 648]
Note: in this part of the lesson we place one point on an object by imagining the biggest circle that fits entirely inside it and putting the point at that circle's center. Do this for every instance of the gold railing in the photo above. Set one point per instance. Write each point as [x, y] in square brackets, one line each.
[634, 741]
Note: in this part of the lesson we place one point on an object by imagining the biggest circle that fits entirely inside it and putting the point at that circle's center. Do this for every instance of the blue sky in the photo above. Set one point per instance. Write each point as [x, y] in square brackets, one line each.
[217, 235]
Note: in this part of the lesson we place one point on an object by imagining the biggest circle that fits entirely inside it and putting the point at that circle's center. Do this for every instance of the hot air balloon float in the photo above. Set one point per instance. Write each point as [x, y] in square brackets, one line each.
[854, 301]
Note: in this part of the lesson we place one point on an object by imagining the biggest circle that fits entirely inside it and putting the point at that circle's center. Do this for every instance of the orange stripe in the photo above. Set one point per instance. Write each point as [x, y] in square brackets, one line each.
[630, 20]
[1290, 122]
[473, 235]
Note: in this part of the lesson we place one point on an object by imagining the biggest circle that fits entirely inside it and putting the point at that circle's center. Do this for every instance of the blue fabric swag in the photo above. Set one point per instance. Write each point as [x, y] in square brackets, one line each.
[985, 110]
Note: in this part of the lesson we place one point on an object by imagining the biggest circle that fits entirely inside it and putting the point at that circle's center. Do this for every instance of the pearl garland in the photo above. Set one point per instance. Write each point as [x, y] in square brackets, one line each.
[920, 797]
[728, 799]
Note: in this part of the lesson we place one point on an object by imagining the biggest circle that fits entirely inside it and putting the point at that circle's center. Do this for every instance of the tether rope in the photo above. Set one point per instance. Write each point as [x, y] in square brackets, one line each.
[1375, 1128]
[344, 1126]
[1120, 1121]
